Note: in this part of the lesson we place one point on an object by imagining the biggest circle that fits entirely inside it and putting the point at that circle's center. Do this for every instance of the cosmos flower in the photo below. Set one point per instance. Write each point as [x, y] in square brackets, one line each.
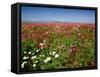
[25, 52]
[29, 53]
[34, 65]
[37, 50]
[36, 61]
[57, 55]
[22, 65]
[79, 34]
[46, 32]
[33, 57]
[44, 41]
[76, 28]
[53, 53]
[33, 53]
[47, 59]
[41, 45]
[25, 57]
[50, 53]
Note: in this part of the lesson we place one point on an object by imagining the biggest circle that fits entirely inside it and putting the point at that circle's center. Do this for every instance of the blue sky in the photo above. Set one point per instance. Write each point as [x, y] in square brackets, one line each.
[44, 14]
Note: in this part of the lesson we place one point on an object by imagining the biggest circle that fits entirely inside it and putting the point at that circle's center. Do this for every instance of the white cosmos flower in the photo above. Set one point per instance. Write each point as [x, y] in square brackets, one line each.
[25, 52]
[22, 65]
[44, 41]
[25, 57]
[33, 57]
[53, 53]
[57, 55]
[50, 53]
[47, 59]
[41, 44]
[37, 50]
[29, 53]
[36, 61]
[34, 65]
[33, 53]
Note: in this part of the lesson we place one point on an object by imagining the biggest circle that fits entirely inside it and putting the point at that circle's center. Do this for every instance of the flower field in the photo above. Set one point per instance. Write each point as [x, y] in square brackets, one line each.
[57, 45]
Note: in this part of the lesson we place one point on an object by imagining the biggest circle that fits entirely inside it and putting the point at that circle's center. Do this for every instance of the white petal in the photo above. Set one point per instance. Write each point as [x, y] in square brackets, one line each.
[37, 50]
[44, 41]
[54, 53]
[24, 58]
[47, 59]
[29, 53]
[34, 65]
[25, 52]
[33, 57]
[57, 55]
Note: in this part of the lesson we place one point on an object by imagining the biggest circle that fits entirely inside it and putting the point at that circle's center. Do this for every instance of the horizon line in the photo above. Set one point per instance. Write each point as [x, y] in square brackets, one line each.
[56, 22]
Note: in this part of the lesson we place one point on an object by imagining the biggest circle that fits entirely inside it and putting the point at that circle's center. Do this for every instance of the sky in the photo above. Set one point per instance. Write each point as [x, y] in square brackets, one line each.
[45, 14]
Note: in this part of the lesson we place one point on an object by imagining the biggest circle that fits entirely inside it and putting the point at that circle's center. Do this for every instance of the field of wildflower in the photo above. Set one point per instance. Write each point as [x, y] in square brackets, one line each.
[57, 45]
